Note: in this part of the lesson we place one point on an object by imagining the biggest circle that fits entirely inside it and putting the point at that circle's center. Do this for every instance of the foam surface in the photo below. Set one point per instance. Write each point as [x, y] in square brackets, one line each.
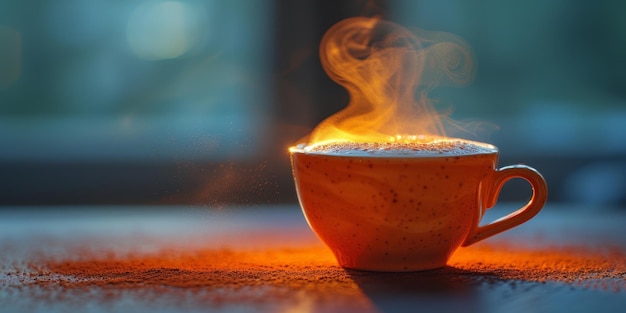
[453, 147]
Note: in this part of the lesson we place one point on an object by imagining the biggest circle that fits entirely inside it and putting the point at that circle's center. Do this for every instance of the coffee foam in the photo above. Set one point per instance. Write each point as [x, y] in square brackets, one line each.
[402, 149]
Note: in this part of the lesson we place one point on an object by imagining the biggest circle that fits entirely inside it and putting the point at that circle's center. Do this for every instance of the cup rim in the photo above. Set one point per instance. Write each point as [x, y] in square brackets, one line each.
[305, 148]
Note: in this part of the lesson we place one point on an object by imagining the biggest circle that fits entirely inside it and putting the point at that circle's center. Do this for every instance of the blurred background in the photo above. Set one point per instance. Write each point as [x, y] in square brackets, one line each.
[196, 101]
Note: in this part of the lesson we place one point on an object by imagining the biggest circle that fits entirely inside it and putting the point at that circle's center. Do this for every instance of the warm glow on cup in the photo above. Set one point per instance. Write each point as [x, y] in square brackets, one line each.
[386, 207]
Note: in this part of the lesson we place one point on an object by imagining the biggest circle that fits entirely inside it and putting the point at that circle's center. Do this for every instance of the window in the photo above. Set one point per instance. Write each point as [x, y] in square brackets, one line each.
[132, 80]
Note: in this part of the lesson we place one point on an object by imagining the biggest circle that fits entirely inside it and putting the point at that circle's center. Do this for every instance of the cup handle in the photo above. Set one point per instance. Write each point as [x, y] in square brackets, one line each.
[538, 199]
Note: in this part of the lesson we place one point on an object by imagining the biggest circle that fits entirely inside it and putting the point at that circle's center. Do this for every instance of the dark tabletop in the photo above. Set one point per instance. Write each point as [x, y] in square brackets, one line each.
[266, 259]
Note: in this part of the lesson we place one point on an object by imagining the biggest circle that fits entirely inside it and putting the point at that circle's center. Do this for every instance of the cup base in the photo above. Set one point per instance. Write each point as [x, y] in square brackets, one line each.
[394, 270]
[377, 266]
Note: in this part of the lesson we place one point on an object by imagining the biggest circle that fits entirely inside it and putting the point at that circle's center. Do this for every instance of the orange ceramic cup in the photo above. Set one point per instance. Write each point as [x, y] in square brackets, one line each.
[405, 210]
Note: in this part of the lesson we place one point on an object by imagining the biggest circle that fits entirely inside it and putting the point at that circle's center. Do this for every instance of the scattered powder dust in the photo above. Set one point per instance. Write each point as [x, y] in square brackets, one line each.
[258, 275]
[596, 268]
[222, 275]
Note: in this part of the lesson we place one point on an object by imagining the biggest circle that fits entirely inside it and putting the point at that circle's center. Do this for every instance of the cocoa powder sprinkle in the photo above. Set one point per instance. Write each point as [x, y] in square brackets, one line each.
[223, 275]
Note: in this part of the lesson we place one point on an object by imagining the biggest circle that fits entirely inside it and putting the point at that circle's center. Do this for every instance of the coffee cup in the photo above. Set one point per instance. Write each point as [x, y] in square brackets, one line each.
[405, 206]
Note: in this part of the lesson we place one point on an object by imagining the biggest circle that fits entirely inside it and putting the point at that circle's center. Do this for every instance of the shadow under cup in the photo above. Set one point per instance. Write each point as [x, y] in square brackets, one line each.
[405, 212]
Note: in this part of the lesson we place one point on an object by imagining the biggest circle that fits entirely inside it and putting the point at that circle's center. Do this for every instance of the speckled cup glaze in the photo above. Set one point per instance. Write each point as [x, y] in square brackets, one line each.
[405, 213]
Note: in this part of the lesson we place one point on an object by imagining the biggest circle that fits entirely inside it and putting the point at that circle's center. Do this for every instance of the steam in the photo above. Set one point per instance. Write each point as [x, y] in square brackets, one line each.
[388, 72]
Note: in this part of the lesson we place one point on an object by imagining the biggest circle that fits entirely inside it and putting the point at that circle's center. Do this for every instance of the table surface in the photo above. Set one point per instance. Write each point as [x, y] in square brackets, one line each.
[266, 259]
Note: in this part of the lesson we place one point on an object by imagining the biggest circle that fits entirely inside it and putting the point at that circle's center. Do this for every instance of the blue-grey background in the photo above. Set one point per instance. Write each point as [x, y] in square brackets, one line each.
[196, 102]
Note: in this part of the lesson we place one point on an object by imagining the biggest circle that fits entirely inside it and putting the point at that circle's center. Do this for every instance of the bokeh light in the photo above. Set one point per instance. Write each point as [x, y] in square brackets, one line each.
[159, 30]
